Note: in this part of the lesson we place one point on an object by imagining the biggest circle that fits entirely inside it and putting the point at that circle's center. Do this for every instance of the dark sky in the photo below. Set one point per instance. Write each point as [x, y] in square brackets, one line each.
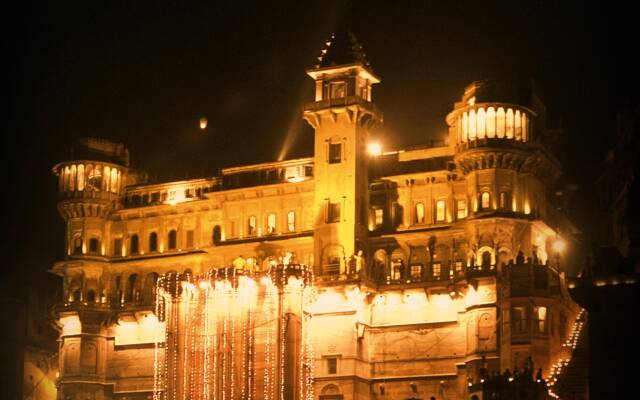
[143, 74]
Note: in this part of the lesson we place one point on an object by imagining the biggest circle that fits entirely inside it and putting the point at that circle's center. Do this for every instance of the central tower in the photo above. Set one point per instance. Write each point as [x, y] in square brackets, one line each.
[342, 116]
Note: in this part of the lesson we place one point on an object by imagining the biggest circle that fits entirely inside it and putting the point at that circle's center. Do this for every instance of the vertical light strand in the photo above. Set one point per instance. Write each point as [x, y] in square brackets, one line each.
[185, 344]
[215, 342]
[267, 343]
[282, 322]
[156, 370]
[225, 313]
[232, 340]
[251, 366]
[176, 327]
[205, 355]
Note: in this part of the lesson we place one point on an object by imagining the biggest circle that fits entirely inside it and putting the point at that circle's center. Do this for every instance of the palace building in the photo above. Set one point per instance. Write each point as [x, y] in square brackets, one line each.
[352, 274]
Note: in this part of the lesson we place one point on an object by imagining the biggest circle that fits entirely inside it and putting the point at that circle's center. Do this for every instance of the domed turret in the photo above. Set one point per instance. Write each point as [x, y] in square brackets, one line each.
[89, 187]
[495, 127]
[492, 112]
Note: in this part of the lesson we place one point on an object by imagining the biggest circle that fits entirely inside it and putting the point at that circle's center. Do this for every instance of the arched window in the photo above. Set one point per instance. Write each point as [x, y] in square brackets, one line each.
[419, 213]
[80, 177]
[525, 128]
[149, 293]
[472, 124]
[107, 179]
[67, 175]
[251, 229]
[271, 223]
[491, 122]
[500, 122]
[216, 235]
[517, 125]
[461, 209]
[153, 241]
[173, 239]
[482, 123]
[291, 221]
[485, 201]
[131, 288]
[486, 259]
[114, 180]
[465, 125]
[441, 211]
[94, 177]
[509, 124]
[77, 245]
[504, 200]
[94, 243]
[72, 180]
[134, 245]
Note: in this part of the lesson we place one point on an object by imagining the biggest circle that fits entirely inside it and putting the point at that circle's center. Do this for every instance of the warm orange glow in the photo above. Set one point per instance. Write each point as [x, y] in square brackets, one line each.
[71, 325]
[559, 246]
[203, 123]
[374, 149]
[144, 327]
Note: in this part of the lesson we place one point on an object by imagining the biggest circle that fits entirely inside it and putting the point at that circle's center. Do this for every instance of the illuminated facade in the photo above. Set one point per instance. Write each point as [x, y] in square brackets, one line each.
[427, 265]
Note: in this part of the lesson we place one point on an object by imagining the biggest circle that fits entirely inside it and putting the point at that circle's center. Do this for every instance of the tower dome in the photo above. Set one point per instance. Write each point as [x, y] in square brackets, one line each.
[492, 111]
[89, 186]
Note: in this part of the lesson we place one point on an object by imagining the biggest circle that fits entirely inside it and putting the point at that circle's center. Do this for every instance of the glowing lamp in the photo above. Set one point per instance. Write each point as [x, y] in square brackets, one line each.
[374, 149]
[559, 246]
[203, 123]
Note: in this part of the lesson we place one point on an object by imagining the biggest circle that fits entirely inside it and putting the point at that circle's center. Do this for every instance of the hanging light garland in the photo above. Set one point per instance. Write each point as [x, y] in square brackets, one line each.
[209, 328]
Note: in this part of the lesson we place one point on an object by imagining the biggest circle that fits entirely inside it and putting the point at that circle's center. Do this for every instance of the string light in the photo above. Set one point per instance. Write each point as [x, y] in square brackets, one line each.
[205, 315]
[570, 344]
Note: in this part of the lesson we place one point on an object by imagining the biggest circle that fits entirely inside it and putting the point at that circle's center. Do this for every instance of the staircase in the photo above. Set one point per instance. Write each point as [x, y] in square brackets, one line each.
[573, 382]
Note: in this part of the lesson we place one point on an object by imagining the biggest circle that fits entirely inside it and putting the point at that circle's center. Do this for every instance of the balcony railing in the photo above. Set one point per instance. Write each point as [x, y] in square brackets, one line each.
[342, 101]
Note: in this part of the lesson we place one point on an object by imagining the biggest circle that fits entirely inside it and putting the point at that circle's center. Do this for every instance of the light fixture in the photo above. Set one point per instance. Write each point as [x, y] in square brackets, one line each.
[374, 149]
[203, 123]
[559, 245]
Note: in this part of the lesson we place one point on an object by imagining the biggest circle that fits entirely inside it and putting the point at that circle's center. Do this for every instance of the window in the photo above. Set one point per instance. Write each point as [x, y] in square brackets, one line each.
[189, 239]
[441, 207]
[461, 209]
[333, 265]
[93, 245]
[540, 314]
[173, 239]
[485, 201]
[153, 241]
[504, 200]
[216, 235]
[397, 269]
[134, 245]
[519, 319]
[77, 245]
[114, 180]
[379, 215]
[80, 177]
[459, 267]
[117, 247]
[332, 365]
[291, 221]
[333, 212]
[271, 223]
[416, 272]
[251, 229]
[419, 213]
[335, 153]
[436, 269]
[337, 90]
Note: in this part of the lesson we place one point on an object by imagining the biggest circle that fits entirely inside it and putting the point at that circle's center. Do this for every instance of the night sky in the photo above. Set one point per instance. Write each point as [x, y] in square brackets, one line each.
[143, 74]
